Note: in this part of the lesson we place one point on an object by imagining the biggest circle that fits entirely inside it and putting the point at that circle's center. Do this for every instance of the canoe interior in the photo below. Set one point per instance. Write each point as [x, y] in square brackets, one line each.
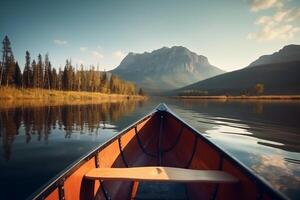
[159, 139]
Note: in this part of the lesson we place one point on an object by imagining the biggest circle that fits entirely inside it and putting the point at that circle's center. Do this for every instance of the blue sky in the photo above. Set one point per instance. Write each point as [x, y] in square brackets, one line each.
[231, 33]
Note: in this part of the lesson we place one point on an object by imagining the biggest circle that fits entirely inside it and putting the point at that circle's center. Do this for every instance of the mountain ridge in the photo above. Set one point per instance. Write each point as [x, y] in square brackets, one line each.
[278, 72]
[288, 53]
[165, 68]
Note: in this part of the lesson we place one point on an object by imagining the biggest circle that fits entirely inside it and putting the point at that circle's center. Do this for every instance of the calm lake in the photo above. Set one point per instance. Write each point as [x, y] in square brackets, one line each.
[37, 142]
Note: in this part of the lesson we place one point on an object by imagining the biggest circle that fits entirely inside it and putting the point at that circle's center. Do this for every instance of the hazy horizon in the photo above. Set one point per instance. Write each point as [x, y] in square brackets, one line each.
[231, 34]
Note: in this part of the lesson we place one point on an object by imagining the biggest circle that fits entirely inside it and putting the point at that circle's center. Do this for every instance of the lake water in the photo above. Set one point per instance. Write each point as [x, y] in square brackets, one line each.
[37, 142]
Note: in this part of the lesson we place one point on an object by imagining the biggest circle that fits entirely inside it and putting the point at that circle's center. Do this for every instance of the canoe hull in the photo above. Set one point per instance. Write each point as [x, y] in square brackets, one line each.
[159, 139]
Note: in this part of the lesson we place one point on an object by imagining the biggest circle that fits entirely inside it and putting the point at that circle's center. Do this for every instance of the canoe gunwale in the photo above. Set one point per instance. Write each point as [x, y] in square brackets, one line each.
[263, 185]
[56, 182]
[50, 186]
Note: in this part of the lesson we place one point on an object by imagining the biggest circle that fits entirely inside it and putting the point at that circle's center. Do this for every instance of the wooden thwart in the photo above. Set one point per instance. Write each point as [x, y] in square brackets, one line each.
[163, 174]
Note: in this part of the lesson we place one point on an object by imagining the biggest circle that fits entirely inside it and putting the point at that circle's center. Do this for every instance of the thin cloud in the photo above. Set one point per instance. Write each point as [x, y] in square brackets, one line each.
[83, 49]
[60, 42]
[277, 26]
[257, 5]
[266, 165]
[119, 54]
[280, 16]
[97, 54]
[294, 15]
[284, 32]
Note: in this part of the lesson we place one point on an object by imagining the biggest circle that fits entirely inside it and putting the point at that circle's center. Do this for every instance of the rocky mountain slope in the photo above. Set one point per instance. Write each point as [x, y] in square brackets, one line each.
[165, 69]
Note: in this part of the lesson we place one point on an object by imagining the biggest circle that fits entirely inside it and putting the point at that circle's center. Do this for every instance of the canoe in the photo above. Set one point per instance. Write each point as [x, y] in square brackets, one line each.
[158, 157]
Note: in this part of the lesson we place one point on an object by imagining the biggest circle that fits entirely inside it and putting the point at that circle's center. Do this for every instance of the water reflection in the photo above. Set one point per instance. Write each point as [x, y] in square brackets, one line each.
[41, 121]
[263, 135]
[276, 121]
[258, 107]
[279, 173]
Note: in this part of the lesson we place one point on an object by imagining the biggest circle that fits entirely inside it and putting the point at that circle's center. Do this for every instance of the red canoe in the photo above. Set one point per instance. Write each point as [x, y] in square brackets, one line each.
[158, 157]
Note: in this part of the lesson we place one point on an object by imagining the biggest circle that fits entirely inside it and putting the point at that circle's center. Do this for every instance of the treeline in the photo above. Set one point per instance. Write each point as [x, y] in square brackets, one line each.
[41, 74]
[258, 89]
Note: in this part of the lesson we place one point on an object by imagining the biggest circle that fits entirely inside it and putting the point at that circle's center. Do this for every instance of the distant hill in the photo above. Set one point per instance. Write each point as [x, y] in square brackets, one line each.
[165, 69]
[286, 54]
[281, 75]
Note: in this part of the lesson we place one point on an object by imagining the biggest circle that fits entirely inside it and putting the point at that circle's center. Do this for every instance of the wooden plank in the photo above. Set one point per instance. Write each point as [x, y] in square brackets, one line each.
[163, 174]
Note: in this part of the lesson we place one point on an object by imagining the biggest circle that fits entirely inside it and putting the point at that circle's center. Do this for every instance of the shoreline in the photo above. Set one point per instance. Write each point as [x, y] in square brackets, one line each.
[14, 97]
[8, 104]
[242, 97]
[17, 94]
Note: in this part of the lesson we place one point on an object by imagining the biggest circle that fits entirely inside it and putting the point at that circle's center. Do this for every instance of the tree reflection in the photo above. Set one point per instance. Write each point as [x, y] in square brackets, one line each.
[258, 107]
[10, 123]
[42, 120]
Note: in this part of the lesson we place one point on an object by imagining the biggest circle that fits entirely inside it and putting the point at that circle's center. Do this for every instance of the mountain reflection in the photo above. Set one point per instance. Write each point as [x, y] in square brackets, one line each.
[41, 120]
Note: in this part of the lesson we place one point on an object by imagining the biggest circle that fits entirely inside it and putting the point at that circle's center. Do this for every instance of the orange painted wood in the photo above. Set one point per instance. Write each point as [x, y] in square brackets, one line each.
[134, 190]
[247, 188]
[126, 138]
[53, 195]
[108, 155]
[167, 174]
[76, 187]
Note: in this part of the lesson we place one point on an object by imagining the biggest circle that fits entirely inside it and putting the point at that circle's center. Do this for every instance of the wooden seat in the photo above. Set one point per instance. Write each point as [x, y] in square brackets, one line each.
[161, 174]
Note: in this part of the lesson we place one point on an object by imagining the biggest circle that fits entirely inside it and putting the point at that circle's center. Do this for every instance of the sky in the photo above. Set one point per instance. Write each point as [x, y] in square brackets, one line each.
[231, 33]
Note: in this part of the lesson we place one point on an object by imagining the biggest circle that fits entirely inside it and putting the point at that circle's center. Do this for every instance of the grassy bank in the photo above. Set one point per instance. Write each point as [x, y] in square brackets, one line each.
[15, 94]
[244, 97]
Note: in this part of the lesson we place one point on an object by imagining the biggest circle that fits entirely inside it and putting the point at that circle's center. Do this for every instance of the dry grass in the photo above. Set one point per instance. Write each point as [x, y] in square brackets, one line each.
[11, 93]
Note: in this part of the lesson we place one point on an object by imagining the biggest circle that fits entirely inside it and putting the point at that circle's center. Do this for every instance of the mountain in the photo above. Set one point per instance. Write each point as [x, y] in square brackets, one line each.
[165, 69]
[286, 54]
[280, 75]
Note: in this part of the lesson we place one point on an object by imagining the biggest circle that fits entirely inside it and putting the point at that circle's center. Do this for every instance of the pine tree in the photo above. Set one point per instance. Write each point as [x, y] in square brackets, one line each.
[79, 78]
[65, 77]
[47, 72]
[93, 79]
[82, 78]
[17, 75]
[50, 73]
[72, 78]
[88, 80]
[10, 73]
[40, 71]
[85, 80]
[68, 76]
[112, 84]
[54, 80]
[104, 82]
[27, 73]
[141, 92]
[60, 79]
[35, 76]
[98, 80]
[8, 64]
[41, 75]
